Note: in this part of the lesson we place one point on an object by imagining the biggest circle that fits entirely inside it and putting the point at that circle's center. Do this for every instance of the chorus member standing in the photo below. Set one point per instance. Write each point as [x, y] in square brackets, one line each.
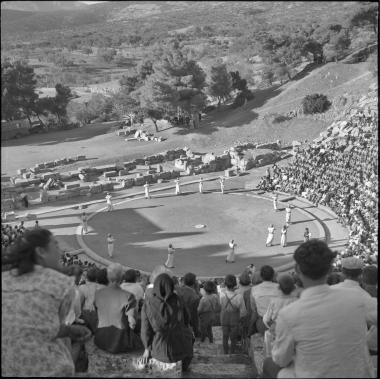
[146, 187]
[170, 261]
[84, 223]
[271, 230]
[177, 187]
[221, 181]
[288, 214]
[275, 200]
[231, 255]
[306, 235]
[200, 185]
[109, 202]
[284, 231]
[110, 244]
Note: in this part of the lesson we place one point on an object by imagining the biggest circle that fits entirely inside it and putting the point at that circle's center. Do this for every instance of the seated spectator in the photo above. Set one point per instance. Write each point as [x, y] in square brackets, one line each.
[130, 285]
[315, 338]
[369, 280]
[288, 295]
[114, 333]
[87, 292]
[261, 295]
[208, 310]
[165, 330]
[34, 292]
[191, 299]
[232, 311]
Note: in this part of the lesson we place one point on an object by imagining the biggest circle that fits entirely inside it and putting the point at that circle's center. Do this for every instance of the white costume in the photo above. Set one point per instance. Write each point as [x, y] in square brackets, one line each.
[200, 185]
[275, 198]
[84, 224]
[110, 241]
[231, 256]
[170, 261]
[177, 189]
[109, 202]
[283, 237]
[288, 215]
[221, 185]
[270, 236]
[146, 186]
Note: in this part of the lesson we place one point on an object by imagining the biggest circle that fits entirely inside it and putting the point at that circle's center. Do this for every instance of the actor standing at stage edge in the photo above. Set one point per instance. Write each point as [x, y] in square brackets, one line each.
[146, 187]
[221, 181]
[200, 185]
[170, 261]
[177, 187]
[110, 244]
[109, 202]
[231, 255]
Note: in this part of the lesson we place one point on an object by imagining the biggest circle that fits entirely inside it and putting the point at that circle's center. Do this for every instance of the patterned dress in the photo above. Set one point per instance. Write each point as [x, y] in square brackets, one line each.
[30, 322]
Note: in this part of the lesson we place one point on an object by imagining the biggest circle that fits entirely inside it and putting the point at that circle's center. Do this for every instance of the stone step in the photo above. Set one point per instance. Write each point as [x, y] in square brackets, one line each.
[220, 370]
[228, 358]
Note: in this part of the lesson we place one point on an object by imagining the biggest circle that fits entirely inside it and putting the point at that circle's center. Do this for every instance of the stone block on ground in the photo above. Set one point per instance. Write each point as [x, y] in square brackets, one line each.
[71, 186]
[52, 198]
[95, 188]
[104, 168]
[229, 172]
[26, 175]
[21, 171]
[110, 174]
[123, 172]
[80, 157]
[49, 175]
[139, 181]
[107, 186]
[49, 164]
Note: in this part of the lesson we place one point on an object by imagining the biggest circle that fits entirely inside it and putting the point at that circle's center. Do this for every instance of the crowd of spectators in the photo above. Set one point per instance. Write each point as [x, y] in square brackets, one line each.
[340, 173]
[125, 311]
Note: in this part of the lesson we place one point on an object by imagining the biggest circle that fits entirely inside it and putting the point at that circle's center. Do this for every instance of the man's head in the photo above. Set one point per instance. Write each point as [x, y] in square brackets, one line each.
[313, 260]
[189, 279]
[267, 273]
[130, 276]
[230, 282]
[352, 268]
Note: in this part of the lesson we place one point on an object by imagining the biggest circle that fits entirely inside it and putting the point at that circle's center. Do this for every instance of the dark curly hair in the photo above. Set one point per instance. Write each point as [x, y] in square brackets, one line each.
[314, 259]
[22, 255]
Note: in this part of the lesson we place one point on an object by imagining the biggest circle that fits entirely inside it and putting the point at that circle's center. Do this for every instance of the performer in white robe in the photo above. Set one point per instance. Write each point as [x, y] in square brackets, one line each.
[170, 261]
[177, 188]
[231, 255]
[221, 180]
[110, 244]
[284, 230]
[200, 185]
[275, 199]
[146, 187]
[109, 202]
[84, 223]
[270, 237]
[288, 214]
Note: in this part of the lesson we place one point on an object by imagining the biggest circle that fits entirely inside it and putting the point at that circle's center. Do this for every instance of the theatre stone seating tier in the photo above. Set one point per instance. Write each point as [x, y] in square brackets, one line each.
[208, 362]
[166, 165]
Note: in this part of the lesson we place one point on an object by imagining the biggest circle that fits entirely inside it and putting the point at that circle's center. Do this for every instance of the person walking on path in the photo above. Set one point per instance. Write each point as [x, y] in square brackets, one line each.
[200, 185]
[170, 261]
[270, 237]
[275, 200]
[284, 230]
[221, 181]
[177, 187]
[231, 255]
[110, 244]
[84, 223]
[146, 187]
[109, 202]
[288, 214]
[306, 235]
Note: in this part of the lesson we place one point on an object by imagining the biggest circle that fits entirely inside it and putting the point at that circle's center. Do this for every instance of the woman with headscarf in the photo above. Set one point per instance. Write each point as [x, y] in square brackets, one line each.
[165, 330]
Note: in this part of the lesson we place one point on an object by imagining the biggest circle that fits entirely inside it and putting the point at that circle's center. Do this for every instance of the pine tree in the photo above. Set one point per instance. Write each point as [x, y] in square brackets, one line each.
[221, 83]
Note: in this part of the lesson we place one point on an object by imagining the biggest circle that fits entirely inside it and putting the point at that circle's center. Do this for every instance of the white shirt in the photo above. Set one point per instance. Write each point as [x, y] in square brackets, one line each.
[133, 288]
[323, 335]
[262, 294]
[108, 198]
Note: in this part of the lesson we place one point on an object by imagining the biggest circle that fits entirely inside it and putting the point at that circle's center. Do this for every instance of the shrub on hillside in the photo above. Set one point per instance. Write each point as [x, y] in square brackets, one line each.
[315, 103]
